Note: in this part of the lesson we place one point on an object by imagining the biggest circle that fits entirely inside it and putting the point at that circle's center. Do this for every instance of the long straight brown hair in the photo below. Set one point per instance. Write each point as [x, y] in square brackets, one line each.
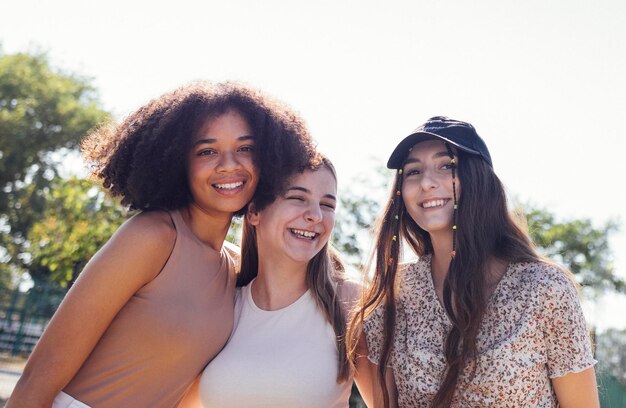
[324, 272]
[486, 230]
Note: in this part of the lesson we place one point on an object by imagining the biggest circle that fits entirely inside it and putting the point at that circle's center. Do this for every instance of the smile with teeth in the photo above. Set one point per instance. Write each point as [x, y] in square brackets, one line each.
[303, 234]
[228, 186]
[434, 203]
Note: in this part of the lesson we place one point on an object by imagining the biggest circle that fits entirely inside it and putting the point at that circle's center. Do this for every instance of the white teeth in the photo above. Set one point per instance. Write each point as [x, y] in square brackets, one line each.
[304, 234]
[229, 186]
[433, 203]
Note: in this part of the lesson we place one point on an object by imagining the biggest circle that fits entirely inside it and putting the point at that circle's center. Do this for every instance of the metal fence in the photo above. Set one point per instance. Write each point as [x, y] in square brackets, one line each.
[25, 315]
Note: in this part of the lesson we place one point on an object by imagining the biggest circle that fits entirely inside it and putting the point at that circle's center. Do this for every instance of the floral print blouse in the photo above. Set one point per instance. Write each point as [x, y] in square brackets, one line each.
[533, 330]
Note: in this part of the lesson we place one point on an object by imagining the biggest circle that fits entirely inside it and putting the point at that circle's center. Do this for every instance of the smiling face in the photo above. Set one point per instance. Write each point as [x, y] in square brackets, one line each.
[427, 187]
[221, 172]
[297, 225]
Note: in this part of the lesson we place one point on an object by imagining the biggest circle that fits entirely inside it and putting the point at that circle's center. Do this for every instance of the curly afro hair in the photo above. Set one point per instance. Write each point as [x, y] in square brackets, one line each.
[144, 159]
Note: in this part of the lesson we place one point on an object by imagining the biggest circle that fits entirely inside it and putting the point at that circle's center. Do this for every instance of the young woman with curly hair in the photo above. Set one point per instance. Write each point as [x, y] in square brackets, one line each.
[287, 347]
[480, 319]
[155, 304]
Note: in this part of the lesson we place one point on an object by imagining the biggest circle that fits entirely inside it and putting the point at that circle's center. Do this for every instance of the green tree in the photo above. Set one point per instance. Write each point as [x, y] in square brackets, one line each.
[43, 114]
[356, 215]
[235, 231]
[79, 218]
[579, 245]
[354, 219]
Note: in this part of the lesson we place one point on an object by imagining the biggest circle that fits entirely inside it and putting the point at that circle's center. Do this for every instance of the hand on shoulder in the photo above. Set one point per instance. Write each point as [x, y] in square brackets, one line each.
[140, 247]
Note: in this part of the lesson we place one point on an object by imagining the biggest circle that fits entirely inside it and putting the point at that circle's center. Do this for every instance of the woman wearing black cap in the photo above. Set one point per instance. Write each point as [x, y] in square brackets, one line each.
[480, 319]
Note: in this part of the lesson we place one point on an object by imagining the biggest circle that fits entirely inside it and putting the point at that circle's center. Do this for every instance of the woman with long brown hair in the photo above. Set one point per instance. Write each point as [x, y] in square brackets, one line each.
[480, 319]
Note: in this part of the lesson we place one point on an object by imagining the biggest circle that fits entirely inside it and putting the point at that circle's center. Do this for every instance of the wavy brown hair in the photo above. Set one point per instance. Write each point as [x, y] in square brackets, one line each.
[486, 231]
[324, 272]
[144, 158]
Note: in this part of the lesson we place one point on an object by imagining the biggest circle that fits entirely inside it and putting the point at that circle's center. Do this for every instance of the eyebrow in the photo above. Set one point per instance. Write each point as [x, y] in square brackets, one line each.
[306, 190]
[211, 140]
[436, 156]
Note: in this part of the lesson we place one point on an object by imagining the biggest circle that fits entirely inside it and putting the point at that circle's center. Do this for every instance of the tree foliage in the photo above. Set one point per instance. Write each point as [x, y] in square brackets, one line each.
[354, 220]
[43, 115]
[579, 245]
[79, 218]
[356, 215]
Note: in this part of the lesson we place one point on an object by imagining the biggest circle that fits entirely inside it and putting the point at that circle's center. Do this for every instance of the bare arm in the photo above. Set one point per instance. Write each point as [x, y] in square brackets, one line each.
[390, 382]
[367, 378]
[364, 373]
[577, 390]
[350, 293]
[132, 257]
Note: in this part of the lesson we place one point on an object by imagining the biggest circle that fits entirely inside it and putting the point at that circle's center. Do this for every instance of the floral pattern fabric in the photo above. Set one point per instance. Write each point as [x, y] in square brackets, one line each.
[533, 330]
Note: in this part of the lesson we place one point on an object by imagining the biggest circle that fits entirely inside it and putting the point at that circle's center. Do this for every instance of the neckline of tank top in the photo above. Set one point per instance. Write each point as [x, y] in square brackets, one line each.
[194, 236]
[248, 295]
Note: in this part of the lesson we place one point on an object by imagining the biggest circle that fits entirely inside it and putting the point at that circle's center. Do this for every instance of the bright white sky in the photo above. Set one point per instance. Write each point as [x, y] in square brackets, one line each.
[543, 81]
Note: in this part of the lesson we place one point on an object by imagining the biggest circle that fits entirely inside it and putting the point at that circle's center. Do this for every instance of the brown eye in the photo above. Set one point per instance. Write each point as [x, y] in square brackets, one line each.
[206, 152]
[411, 172]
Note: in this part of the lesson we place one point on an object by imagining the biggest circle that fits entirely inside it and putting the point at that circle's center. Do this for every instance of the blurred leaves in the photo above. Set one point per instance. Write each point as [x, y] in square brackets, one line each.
[356, 215]
[43, 115]
[579, 245]
[79, 218]
[41, 111]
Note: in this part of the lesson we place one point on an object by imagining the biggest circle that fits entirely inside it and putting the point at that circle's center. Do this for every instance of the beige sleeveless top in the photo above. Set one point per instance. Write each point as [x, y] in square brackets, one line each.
[166, 333]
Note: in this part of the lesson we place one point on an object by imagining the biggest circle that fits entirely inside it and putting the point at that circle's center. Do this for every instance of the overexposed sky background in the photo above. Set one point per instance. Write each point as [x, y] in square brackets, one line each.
[542, 81]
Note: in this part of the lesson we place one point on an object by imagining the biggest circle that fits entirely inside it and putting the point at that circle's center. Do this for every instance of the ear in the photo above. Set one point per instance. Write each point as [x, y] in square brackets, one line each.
[252, 215]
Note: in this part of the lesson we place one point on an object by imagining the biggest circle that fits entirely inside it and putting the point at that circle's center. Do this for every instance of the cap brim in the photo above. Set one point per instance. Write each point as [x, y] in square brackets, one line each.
[399, 154]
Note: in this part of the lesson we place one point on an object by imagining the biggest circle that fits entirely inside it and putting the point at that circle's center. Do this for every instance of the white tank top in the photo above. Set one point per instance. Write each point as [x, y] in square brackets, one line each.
[280, 358]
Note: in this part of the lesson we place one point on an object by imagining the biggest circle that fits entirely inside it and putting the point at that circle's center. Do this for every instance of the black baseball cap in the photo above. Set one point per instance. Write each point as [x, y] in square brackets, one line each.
[457, 133]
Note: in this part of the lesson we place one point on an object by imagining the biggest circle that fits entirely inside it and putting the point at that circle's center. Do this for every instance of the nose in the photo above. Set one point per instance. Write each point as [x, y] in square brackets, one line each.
[228, 162]
[429, 180]
[313, 214]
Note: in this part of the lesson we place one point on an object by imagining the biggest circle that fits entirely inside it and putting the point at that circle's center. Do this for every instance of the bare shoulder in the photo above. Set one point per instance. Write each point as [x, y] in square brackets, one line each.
[152, 228]
[142, 245]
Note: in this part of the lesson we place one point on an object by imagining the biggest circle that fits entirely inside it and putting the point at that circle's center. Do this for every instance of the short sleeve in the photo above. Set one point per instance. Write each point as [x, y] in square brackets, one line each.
[567, 338]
